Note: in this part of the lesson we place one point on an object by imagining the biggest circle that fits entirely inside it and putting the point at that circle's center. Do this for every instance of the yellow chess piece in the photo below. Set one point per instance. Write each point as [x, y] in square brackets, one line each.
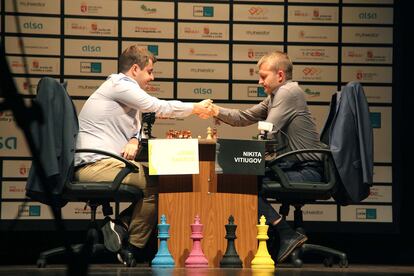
[262, 258]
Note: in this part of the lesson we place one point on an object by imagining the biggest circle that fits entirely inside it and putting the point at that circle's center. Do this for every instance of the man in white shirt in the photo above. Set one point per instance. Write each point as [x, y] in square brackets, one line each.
[111, 120]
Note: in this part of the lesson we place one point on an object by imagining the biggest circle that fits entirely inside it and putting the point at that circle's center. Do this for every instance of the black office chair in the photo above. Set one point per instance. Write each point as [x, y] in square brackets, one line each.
[298, 194]
[51, 98]
[347, 131]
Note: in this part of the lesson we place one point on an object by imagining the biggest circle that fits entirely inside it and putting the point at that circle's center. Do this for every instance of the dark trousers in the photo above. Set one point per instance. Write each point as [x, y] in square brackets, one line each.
[301, 174]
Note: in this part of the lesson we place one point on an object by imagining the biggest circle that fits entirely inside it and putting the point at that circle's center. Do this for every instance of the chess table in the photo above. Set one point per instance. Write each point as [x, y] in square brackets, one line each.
[214, 198]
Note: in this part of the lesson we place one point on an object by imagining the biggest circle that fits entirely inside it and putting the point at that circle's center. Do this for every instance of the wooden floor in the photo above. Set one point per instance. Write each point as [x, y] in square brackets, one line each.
[282, 270]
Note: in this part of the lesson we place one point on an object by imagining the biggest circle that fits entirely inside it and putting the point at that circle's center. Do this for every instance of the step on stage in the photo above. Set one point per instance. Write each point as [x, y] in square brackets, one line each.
[281, 270]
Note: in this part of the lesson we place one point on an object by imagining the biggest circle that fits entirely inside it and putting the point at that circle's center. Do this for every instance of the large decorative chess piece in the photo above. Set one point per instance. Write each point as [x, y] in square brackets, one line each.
[262, 258]
[231, 258]
[196, 257]
[163, 257]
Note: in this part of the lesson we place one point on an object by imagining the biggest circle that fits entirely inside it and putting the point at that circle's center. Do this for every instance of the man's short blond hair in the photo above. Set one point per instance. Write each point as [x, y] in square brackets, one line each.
[135, 55]
[278, 61]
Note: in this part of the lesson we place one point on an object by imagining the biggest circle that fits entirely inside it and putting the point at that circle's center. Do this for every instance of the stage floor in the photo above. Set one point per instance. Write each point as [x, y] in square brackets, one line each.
[282, 270]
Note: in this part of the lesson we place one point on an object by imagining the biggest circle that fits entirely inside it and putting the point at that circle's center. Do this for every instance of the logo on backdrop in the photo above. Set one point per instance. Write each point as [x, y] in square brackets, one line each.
[153, 49]
[256, 91]
[148, 10]
[203, 11]
[89, 9]
[8, 142]
[32, 25]
[203, 91]
[366, 213]
[91, 67]
[6, 116]
[30, 211]
[312, 93]
[91, 49]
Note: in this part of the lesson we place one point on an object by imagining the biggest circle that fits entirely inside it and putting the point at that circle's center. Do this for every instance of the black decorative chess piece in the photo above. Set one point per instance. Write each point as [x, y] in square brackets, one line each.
[231, 258]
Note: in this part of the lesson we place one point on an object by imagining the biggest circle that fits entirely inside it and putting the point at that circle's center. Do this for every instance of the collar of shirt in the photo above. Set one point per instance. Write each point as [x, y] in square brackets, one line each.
[277, 88]
[117, 78]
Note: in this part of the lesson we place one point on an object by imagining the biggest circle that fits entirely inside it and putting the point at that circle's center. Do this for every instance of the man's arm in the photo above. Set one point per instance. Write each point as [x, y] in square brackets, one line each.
[132, 95]
[236, 117]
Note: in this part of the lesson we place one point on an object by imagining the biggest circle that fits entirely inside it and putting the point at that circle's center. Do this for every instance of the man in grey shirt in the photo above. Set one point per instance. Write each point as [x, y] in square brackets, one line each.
[111, 120]
[285, 107]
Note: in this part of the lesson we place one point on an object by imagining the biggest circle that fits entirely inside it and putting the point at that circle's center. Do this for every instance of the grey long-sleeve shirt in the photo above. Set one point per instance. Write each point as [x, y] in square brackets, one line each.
[112, 115]
[287, 110]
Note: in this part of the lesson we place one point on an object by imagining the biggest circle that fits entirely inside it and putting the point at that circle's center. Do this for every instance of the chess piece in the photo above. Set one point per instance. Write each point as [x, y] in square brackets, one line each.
[209, 133]
[163, 257]
[262, 258]
[231, 258]
[217, 168]
[196, 257]
[215, 135]
[170, 134]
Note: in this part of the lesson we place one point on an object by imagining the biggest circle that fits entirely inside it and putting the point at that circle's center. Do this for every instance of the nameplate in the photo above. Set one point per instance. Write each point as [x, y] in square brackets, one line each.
[173, 156]
[240, 157]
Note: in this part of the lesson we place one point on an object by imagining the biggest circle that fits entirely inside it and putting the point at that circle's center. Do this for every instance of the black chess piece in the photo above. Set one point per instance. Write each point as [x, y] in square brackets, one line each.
[231, 258]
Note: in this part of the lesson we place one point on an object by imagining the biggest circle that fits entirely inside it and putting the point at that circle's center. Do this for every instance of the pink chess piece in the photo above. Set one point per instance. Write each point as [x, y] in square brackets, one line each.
[196, 257]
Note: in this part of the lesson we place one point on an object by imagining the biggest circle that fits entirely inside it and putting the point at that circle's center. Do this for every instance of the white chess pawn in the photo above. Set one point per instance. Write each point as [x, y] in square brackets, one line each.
[209, 132]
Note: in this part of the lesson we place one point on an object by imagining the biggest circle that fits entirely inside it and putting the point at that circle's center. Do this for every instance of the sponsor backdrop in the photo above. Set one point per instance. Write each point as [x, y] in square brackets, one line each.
[206, 49]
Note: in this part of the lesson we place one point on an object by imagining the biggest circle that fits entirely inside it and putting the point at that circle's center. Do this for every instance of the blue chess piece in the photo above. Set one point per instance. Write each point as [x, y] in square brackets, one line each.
[163, 257]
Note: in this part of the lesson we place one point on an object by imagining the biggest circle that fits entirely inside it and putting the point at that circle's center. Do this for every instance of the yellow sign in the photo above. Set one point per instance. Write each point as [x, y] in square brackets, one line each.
[173, 156]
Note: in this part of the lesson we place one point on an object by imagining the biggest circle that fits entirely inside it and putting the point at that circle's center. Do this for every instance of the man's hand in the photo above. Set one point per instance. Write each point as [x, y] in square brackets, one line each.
[202, 109]
[131, 149]
[214, 109]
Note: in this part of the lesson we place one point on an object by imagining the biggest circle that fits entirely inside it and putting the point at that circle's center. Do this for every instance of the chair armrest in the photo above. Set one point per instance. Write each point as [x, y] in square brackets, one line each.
[129, 166]
[327, 162]
[296, 152]
[127, 163]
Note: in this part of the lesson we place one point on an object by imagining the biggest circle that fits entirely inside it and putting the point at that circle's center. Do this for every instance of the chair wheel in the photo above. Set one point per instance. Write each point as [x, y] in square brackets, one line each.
[328, 262]
[343, 263]
[131, 263]
[129, 260]
[297, 263]
[295, 258]
[41, 263]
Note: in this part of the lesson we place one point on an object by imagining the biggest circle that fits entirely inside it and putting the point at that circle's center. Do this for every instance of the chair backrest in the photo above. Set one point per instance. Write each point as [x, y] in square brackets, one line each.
[349, 134]
[55, 138]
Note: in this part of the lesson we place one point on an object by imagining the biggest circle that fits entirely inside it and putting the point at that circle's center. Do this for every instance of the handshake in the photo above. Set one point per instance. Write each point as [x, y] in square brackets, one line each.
[205, 109]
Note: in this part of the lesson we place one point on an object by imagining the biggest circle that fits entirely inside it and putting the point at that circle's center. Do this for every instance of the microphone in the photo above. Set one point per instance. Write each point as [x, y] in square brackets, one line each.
[276, 143]
[264, 128]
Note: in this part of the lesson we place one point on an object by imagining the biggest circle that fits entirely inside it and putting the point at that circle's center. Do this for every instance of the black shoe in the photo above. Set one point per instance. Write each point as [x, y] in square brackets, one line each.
[273, 242]
[288, 245]
[114, 234]
[130, 255]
